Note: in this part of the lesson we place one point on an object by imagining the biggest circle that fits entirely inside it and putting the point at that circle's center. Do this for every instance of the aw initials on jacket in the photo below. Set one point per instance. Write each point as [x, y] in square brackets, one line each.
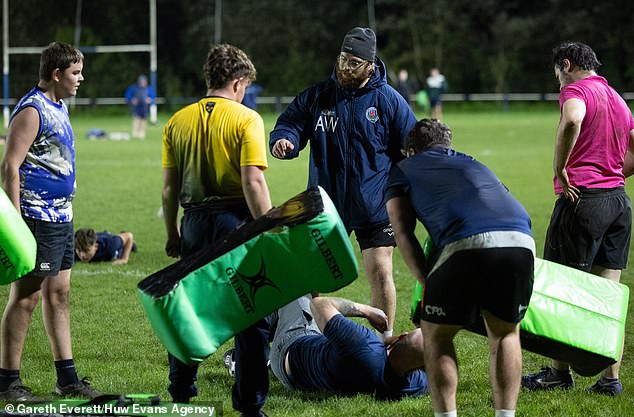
[327, 121]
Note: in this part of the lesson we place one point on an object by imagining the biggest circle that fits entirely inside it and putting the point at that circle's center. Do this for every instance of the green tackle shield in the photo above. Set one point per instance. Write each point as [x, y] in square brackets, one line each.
[198, 303]
[573, 317]
[18, 248]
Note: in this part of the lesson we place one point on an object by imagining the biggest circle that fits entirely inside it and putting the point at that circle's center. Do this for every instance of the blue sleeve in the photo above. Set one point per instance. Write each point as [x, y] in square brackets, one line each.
[397, 184]
[129, 92]
[395, 387]
[349, 337]
[294, 124]
[403, 121]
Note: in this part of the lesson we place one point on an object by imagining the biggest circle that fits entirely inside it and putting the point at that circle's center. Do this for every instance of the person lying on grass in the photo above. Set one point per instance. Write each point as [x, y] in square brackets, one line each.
[316, 348]
[91, 246]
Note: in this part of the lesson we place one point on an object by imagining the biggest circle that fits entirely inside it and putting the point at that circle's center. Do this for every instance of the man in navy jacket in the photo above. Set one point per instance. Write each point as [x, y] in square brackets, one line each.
[355, 123]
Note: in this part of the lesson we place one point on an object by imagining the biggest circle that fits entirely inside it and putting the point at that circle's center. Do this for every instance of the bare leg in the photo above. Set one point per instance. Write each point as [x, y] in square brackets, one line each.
[23, 299]
[505, 361]
[441, 364]
[611, 371]
[56, 314]
[377, 263]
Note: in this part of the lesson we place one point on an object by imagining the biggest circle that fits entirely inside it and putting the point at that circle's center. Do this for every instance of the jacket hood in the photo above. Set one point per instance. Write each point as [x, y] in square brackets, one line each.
[377, 79]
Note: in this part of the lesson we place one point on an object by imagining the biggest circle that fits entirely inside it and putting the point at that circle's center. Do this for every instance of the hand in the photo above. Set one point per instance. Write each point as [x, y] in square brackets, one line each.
[173, 247]
[377, 318]
[568, 190]
[282, 148]
[120, 262]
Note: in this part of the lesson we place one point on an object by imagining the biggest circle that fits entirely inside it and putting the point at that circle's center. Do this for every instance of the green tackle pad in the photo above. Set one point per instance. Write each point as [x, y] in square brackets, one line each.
[18, 248]
[200, 302]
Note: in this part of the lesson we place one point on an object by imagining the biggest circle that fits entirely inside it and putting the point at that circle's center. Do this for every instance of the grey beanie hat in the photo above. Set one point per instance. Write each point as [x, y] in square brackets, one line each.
[360, 42]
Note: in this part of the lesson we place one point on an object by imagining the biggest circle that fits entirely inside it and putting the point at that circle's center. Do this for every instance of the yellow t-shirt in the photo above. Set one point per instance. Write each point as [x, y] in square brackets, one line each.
[208, 141]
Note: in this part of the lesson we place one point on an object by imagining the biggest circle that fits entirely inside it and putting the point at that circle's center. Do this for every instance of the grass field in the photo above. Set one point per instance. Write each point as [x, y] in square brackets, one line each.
[119, 187]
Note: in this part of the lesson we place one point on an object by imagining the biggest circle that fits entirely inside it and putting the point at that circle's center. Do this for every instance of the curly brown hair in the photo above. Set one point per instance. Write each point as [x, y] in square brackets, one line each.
[226, 63]
[427, 133]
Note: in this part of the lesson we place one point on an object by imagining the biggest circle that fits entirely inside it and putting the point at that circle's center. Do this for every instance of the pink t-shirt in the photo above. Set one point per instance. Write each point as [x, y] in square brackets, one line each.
[596, 161]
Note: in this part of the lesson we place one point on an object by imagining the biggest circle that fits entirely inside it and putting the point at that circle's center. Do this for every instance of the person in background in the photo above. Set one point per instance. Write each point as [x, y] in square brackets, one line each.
[355, 123]
[139, 97]
[251, 95]
[91, 246]
[482, 261]
[436, 87]
[404, 86]
[591, 224]
[214, 157]
[38, 176]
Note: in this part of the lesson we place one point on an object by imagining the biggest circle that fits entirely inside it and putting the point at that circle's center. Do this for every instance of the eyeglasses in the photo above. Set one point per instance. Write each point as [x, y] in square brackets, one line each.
[353, 64]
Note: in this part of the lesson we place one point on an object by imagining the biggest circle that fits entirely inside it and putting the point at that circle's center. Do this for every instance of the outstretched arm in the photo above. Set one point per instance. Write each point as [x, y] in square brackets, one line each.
[128, 242]
[325, 308]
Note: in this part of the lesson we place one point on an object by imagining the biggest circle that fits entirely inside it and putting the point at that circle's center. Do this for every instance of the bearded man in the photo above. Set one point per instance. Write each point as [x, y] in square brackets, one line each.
[355, 123]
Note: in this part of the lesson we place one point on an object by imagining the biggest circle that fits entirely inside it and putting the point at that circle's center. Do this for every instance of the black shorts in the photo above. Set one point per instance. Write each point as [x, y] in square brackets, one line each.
[55, 247]
[376, 236]
[499, 280]
[595, 230]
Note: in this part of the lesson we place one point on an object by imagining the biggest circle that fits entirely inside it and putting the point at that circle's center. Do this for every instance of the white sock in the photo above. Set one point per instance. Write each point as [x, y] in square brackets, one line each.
[453, 413]
[504, 413]
[384, 335]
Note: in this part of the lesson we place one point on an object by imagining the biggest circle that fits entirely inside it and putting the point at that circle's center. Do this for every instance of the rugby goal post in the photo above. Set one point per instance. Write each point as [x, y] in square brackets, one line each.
[7, 51]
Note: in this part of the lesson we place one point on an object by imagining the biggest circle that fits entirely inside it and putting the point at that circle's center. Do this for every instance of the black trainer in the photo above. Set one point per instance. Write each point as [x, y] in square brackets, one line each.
[548, 378]
[81, 389]
[604, 386]
[19, 393]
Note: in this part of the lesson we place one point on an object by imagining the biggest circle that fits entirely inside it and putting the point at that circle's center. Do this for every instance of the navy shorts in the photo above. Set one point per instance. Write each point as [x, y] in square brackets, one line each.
[55, 247]
[203, 226]
[595, 230]
[499, 280]
[376, 236]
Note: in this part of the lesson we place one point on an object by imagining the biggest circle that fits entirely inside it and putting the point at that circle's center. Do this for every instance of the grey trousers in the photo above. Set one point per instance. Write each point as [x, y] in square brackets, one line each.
[294, 320]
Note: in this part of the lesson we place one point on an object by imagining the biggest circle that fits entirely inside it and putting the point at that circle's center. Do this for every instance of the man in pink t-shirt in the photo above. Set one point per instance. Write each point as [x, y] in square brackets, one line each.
[591, 224]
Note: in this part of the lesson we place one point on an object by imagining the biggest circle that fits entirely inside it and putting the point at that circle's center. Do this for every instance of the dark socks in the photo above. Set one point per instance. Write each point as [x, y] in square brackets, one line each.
[66, 372]
[7, 376]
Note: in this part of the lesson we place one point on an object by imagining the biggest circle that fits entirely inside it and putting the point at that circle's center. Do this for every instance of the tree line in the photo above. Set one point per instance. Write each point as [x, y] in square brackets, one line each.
[481, 46]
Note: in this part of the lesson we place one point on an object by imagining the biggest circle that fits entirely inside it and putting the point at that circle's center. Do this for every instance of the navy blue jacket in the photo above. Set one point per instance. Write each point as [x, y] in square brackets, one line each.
[355, 135]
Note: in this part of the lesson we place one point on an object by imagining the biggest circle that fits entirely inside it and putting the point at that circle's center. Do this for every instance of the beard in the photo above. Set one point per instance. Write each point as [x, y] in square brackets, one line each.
[353, 79]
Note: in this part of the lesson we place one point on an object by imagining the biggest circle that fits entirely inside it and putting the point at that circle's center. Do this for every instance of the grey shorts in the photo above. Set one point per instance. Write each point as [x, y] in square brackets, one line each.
[294, 320]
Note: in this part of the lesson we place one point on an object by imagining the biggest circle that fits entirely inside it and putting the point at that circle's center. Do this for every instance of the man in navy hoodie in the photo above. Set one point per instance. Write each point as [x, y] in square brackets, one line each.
[355, 123]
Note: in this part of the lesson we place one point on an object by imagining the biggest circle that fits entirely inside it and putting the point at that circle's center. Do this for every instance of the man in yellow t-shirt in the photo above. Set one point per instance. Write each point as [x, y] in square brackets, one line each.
[213, 161]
